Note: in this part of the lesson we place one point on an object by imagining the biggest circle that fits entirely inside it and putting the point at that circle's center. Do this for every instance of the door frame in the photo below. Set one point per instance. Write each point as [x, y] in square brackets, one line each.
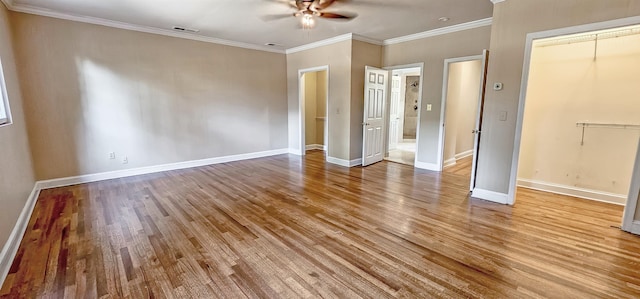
[628, 222]
[302, 108]
[443, 103]
[420, 65]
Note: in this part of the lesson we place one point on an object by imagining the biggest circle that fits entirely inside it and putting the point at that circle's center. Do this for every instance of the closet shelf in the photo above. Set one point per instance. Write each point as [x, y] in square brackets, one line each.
[321, 118]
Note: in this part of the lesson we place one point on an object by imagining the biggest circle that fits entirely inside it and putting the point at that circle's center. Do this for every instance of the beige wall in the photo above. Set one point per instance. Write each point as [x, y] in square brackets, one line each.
[16, 170]
[567, 86]
[90, 90]
[461, 107]
[338, 57]
[512, 20]
[363, 54]
[433, 51]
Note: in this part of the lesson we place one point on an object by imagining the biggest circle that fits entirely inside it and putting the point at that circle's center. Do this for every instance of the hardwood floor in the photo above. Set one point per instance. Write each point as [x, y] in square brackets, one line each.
[296, 227]
[462, 167]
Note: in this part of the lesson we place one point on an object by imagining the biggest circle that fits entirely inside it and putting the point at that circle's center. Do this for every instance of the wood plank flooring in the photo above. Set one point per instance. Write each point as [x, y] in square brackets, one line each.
[291, 227]
[462, 167]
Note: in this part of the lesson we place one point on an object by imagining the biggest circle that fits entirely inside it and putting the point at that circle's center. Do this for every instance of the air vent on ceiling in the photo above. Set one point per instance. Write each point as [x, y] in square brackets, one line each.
[184, 29]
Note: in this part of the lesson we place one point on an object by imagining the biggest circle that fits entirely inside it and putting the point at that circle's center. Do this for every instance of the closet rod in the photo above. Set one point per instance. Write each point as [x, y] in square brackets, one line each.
[606, 125]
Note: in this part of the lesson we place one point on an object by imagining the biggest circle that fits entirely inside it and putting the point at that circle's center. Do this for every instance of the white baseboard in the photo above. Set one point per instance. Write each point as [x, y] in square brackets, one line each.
[635, 227]
[88, 178]
[490, 195]
[311, 147]
[427, 166]
[295, 151]
[613, 198]
[345, 163]
[464, 154]
[13, 243]
[449, 162]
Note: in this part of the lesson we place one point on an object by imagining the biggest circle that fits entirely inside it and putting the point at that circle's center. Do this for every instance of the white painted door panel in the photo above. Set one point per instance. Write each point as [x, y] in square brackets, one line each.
[375, 90]
[394, 113]
[477, 132]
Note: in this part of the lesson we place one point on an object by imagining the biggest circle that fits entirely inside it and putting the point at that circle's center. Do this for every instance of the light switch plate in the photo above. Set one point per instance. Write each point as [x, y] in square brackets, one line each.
[503, 115]
[428, 107]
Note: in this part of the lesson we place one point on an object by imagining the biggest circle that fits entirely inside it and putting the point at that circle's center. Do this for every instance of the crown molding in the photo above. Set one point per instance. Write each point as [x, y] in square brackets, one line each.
[324, 42]
[366, 39]
[439, 31]
[127, 26]
[497, 1]
[7, 3]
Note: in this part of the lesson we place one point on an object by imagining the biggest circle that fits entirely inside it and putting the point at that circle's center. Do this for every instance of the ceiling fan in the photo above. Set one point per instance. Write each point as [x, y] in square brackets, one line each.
[308, 9]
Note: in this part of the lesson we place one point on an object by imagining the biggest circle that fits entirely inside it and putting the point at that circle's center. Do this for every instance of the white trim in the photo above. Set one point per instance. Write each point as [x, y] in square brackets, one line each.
[490, 195]
[513, 177]
[140, 28]
[13, 243]
[635, 227]
[365, 39]
[438, 31]
[322, 43]
[295, 151]
[7, 3]
[496, 1]
[345, 163]
[460, 156]
[449, 162]
[618, 199]
[88, 178]
[443, 105]
[311, 147]
[426, 166]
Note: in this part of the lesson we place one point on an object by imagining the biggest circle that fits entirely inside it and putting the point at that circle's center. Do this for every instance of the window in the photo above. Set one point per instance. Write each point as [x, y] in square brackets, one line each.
[5, 113]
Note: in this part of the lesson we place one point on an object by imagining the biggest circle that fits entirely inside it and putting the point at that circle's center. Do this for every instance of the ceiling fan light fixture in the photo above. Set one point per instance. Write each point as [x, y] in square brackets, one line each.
[307, 21]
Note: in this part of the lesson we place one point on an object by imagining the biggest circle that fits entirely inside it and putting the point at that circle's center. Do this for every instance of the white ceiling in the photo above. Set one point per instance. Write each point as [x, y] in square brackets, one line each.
[242, 20]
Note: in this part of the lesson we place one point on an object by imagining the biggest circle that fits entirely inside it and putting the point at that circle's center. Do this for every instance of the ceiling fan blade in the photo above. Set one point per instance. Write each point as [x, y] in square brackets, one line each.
[320, 4]
[290, 3]
[343, 16]
[268, 18]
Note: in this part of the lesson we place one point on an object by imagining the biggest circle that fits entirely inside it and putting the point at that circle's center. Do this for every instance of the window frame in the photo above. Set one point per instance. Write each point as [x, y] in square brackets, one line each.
[4, 100]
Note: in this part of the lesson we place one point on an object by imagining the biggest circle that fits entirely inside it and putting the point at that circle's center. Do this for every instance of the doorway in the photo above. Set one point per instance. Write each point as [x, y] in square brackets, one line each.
[404, 114]
[314, 103]
[577, 130]
[461, 105]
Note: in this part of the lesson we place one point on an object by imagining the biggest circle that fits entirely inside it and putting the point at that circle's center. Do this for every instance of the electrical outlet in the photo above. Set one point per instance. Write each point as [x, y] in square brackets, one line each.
[125, 160]
[112, 155]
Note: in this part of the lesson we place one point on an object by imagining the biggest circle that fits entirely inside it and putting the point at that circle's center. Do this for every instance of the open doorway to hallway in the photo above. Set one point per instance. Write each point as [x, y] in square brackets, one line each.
[314, 106]
[461, 110]
[404, 106]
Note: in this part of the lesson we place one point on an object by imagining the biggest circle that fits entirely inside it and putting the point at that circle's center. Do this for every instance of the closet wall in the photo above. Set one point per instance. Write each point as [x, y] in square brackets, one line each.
[568, 85]
[315, 95]
[461, 109]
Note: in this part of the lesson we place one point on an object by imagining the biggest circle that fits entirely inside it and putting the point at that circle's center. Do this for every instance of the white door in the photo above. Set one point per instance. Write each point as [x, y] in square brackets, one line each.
[476, 131]
[394, 113]
[375, 90]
